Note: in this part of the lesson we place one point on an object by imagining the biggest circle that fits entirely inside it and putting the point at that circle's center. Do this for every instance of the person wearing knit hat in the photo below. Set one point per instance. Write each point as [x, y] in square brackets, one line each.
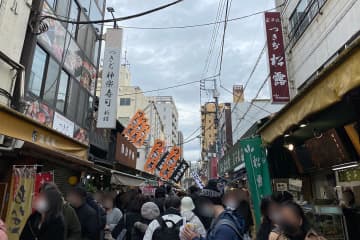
[226, 225]
[149, 212]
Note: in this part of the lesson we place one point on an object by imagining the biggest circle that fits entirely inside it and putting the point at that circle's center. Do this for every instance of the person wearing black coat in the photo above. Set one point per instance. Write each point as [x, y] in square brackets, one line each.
[88, 217]
[47, 219]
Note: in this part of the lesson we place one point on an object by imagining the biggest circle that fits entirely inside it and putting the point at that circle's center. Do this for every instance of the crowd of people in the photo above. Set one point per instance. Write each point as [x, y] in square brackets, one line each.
[217, 212]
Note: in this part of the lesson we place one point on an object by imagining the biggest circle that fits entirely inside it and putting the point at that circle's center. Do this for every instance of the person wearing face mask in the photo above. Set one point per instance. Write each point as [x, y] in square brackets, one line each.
[193, 221]
[113, 215]
[225, 225]
[47, 218]
[293, 225]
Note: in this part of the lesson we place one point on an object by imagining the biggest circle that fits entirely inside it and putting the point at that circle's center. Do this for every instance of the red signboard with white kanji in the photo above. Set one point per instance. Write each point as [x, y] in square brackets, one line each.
[277, 62]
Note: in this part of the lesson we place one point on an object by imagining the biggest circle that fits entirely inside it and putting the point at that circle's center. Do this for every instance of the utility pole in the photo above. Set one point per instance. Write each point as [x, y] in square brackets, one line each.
[217, 121]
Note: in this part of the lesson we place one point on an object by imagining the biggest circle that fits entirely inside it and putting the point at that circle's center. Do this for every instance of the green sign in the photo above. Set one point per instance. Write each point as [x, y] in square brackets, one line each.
[233, 158]
[349, 175]
[257, 172]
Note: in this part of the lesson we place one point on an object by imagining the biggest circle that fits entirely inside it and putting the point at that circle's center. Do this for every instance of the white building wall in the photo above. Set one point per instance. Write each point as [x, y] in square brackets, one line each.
[13, 25]
[329, 31]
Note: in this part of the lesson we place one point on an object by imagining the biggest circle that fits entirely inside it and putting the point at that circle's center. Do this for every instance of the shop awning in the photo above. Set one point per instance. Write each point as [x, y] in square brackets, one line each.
[330, 85]
[120, 178]
[17, 125]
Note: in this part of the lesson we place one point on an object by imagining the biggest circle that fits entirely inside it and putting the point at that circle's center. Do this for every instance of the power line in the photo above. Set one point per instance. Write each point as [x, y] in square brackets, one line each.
[166, 88]
[114, 19]
[195, 131]
[201, 24]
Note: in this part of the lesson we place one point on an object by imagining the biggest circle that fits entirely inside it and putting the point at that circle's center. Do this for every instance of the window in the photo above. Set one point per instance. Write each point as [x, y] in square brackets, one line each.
[90, 43]
[82, 31]
[37, 71]
[96, 53]
[302, 16]
[74, 15]
[62, 8]
[80, 104]
[51, 81]
[125, 101]
[95, 14]
[62, 90]
[85, 4]
[52, 3]
[72, 100]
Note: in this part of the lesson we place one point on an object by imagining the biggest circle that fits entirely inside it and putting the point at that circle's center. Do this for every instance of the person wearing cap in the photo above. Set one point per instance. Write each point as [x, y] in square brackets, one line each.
[225, 225]
[193, 221]
[87, 215]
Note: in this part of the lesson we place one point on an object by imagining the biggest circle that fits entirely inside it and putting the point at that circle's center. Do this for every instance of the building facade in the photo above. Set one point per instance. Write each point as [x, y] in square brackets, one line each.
[169, 115]
[225, 128]
[208, 130]
[181, 142]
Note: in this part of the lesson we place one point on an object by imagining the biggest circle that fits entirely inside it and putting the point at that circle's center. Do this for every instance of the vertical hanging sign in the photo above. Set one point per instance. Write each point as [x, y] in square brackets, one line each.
[258, 172]
[110, 79]
[277, 62]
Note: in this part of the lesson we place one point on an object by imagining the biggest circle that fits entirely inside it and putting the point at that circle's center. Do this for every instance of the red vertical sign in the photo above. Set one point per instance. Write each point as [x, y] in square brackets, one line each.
[214, 168]
[277, 62]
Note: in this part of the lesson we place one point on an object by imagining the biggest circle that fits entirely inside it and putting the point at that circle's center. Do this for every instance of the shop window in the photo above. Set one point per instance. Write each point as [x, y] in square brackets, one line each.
[62, 8]
[72, 100]
[62, 91]
[125, 101]
[37, 71]
[50, 84]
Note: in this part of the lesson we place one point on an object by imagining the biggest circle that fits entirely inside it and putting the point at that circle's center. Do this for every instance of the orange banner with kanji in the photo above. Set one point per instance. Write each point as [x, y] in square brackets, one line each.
[154, 156]
[137, 129]
[170, 163]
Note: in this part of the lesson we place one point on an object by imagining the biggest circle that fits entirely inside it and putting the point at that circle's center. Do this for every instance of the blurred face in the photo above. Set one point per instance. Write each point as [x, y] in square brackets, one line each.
[108, 204]
[74, 200]
[290, 217]
[231, 200]
[41, 204]
[274, 212]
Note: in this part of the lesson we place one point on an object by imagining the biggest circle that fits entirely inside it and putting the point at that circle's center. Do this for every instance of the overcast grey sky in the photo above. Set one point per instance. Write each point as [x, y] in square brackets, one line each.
[160, 58]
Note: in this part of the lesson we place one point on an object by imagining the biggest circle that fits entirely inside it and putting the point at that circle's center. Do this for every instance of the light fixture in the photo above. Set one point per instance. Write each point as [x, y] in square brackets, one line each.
[303, 125]
[88, 177]
[345, 166]
[291, 147]
[286, 135]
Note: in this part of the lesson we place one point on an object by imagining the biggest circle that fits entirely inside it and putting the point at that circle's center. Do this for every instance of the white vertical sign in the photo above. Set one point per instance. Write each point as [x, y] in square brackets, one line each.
[110, 79]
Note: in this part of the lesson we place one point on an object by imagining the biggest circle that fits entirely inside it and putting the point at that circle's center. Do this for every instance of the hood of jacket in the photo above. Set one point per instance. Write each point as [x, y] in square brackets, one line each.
[188, 215]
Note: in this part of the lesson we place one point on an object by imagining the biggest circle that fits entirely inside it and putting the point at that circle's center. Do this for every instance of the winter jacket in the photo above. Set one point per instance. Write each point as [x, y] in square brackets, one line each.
[171, 214]
[46, 231]
[193, 219]
[127, 221]
[89, 222]
[3, 235]
[219, 231]
[72, 223]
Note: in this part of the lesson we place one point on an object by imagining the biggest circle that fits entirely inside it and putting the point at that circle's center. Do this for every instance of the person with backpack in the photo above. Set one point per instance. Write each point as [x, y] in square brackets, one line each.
[168, 226]
[225, 225]
[88, 217]
[149, 212]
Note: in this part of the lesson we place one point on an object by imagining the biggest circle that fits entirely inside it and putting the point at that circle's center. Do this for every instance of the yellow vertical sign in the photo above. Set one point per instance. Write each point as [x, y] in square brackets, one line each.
[22, 188]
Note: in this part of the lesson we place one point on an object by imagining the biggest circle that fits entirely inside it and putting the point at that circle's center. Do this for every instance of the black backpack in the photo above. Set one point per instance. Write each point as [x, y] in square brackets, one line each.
[164, 232]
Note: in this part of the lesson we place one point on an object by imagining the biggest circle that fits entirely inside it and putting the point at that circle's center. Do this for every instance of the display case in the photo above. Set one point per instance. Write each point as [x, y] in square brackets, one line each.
[329, 221]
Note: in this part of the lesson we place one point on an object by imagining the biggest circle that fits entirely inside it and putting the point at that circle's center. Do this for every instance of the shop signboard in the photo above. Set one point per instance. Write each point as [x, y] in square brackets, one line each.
[154, 156]
[170, 163]
[126, 152]
[257, 171]
[197, 179]
[349, 175]
[179, 171]
[63, 125]
[277, 62]
[110, 80]
[233, 158]
[137, 129]
[19, 209]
